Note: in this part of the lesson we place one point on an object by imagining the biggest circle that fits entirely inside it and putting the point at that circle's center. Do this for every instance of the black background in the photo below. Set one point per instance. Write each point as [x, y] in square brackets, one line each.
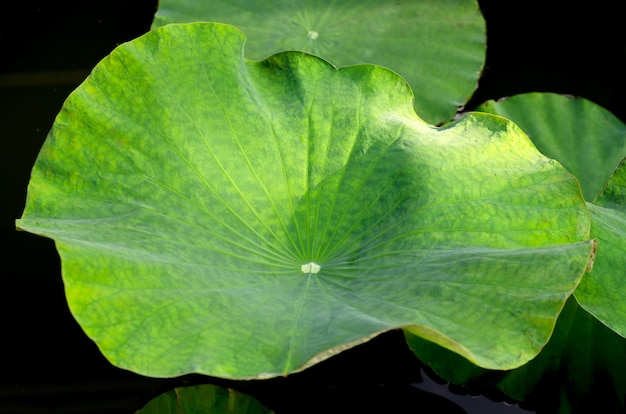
[47, 47]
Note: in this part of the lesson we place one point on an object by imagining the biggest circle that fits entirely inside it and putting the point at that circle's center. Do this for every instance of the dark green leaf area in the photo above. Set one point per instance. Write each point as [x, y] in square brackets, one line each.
[247, 219]
[613, 194]
[581, 365]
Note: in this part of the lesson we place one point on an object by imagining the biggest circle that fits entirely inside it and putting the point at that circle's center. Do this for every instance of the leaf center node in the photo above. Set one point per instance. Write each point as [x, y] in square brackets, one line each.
[310, 267]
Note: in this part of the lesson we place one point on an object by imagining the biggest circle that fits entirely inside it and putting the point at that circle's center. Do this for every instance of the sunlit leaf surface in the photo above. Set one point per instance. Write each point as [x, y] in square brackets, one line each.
[586, 138]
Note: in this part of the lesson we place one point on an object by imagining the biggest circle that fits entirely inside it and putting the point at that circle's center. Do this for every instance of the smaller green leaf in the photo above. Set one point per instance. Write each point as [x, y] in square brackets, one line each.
[204, 399]
[438, 47]
[586, 138]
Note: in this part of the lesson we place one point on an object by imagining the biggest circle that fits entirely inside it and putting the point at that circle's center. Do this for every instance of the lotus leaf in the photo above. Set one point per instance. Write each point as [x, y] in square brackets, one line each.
[246, 219]
[439, 47]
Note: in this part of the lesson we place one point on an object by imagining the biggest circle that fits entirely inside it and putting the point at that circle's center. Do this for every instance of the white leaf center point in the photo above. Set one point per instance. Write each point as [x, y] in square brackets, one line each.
[312, 35]
[310, 267]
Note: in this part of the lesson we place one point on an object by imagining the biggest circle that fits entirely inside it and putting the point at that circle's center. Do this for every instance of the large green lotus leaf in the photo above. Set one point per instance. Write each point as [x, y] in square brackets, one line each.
[590, 142]
[203, 399]
[247, 219]
[583, 363]
[586, 138]
[439, 47]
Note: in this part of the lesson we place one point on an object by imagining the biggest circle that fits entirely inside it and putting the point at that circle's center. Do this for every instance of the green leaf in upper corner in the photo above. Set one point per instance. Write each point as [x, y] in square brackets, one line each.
[438, 47]
[204, 399]
[247, 219]
[586, 138]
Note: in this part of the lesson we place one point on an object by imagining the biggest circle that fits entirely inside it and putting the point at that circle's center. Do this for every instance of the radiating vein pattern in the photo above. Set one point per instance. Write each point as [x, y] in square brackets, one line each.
[246, 219]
